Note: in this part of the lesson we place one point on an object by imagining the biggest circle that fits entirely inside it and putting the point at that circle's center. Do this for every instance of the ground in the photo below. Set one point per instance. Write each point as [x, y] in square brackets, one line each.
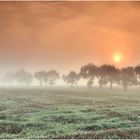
[62, 112]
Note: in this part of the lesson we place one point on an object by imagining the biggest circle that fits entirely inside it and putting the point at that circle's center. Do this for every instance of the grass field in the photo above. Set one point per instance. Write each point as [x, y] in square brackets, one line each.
[69, 113]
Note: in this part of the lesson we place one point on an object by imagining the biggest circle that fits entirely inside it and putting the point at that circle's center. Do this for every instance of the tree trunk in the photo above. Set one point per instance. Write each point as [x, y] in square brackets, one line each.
[101, 86]
[125, 86]
[41, 83]
[111, 83]
[111, 86]
[71, 85]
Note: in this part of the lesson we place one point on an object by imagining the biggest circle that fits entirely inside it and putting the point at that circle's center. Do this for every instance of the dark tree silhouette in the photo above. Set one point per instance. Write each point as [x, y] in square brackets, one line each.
[41, 76]
[137, 70]
[52, 76]
[71, 78]
[23, 77]
[89, 72]
[102, 80]
[128, 77]
[108, 74]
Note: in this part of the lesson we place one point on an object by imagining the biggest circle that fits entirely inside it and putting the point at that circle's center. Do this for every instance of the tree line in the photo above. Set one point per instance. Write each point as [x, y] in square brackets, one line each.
[104, 74]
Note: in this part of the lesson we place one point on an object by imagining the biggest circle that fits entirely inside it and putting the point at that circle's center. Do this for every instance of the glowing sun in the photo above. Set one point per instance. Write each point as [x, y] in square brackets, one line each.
[117, 58]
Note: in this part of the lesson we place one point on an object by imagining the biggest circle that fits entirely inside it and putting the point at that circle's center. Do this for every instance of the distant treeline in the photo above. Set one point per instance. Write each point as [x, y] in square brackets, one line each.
[104, 74]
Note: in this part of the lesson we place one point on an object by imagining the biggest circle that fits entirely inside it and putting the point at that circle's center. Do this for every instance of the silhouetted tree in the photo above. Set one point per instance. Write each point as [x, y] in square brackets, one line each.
[90, 83]
[71, 78]
[108, 74]
[23, 77]
[89, 72]
[102, 79]
[52, 76]
[137, 70]
[128, 77]
[41, 76]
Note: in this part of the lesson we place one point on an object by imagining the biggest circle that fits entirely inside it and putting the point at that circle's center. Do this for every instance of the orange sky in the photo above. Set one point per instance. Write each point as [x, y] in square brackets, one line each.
[66, 35]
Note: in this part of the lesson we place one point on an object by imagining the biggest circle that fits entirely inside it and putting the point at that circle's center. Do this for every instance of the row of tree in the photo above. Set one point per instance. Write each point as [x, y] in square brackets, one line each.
[109, 74]
[103, 74]
[26, 78]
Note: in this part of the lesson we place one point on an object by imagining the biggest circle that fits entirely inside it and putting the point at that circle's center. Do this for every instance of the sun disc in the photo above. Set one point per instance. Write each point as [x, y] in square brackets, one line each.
[117, 57]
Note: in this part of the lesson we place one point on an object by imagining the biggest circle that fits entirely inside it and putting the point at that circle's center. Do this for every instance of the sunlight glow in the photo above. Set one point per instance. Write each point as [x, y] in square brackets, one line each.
[117, 57]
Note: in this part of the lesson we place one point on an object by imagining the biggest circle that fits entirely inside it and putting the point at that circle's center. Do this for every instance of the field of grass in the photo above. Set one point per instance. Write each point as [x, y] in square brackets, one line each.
[69, 113]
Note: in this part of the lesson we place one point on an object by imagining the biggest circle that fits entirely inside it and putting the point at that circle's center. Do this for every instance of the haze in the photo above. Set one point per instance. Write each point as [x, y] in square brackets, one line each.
[66, 35]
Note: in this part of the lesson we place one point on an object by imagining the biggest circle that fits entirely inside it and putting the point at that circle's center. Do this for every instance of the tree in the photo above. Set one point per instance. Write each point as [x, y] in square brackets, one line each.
[23, 77]
[71, 78]
[102, 80]
[137, 70]
[52, 76]
[89, 72]
[41, 76]
[128, 77]
[108, 74]
[90, 83]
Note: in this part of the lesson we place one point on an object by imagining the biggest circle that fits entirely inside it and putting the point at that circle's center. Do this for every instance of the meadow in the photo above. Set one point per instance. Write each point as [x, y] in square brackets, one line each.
[63, 112]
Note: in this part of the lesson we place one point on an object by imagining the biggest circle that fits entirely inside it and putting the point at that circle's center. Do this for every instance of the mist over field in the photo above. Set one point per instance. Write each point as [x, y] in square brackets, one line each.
[69, 70]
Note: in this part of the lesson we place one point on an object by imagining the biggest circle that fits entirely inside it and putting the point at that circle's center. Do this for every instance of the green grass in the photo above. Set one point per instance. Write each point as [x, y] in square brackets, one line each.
[69, 113]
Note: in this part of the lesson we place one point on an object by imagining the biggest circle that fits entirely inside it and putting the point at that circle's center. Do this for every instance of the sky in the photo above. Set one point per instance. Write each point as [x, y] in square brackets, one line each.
[66, 35]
